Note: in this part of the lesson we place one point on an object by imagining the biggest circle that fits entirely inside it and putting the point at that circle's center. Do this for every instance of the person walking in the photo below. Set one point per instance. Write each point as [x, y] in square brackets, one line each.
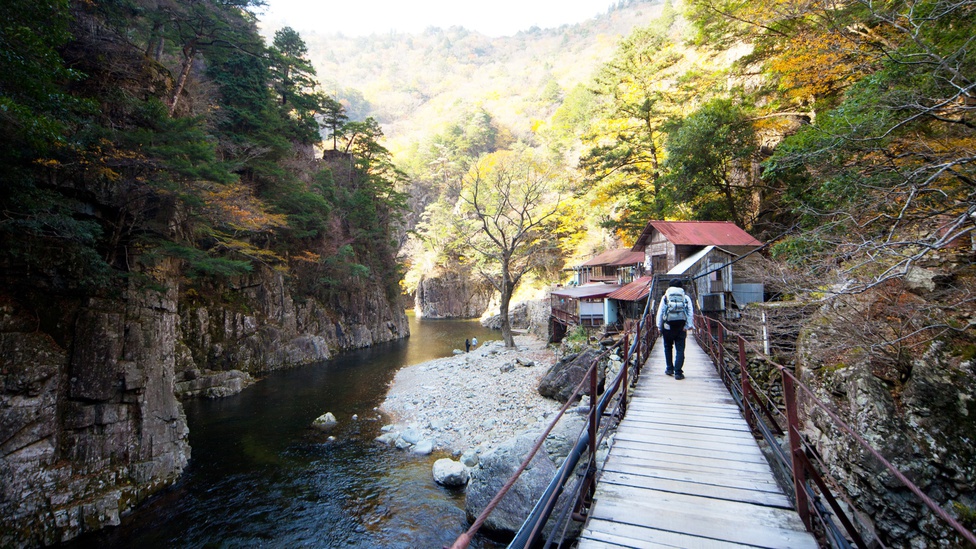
[675, 316]
[467, 345]
[474, 342]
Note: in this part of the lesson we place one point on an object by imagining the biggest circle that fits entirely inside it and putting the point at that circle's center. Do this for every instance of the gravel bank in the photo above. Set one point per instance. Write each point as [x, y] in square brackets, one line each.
[474, 400]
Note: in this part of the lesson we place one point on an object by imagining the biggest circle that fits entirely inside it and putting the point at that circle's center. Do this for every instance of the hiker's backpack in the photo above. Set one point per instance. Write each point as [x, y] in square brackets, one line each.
[675, 307]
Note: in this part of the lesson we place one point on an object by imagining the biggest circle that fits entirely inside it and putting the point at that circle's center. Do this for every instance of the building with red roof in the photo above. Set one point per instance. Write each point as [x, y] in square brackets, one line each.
[668, 243]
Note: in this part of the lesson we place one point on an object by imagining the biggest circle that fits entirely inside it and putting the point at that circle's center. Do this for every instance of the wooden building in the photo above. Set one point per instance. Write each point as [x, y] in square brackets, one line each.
[707, 254]
[612, 266]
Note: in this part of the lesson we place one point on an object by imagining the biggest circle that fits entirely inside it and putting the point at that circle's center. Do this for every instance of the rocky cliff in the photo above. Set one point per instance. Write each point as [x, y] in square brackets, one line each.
[449, 294]
[89, 423]
[264, 327]
[910, 391]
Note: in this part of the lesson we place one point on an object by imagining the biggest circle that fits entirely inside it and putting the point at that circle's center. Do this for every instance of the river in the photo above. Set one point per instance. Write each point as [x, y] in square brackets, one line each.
[261, 477]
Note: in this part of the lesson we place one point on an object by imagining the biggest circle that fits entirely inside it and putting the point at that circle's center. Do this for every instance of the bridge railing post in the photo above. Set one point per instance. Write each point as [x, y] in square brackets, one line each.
[637, 345]
[594, 428]
[796, 461]
[721, 350]
[745, 384]
[624, 383]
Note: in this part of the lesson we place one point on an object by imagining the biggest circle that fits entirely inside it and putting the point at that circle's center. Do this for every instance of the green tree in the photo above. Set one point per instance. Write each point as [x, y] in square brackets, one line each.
[622, 161]
[333, 119]
[198, 25]
[711, 155]
[294, 83]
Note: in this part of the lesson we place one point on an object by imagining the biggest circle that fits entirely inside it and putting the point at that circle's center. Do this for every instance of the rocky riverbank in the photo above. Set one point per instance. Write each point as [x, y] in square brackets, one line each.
[474, 400]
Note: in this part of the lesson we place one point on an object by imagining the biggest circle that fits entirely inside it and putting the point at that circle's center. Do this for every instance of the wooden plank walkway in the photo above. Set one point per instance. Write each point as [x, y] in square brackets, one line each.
[685, 471]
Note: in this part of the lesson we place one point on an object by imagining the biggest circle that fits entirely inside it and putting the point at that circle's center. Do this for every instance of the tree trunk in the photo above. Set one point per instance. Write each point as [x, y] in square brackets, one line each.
[506, 298]
[181, 83]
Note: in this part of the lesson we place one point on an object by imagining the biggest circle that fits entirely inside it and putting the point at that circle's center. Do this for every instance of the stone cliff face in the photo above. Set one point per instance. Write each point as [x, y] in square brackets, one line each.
[919, 412]
[90, 423]
[268, 329]
[449, 294]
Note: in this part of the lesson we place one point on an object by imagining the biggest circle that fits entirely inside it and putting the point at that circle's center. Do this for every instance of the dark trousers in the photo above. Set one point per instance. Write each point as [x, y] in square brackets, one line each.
[674, 340]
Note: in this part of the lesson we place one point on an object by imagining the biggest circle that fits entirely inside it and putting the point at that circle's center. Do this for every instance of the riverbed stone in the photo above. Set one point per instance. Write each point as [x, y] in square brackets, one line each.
[424, 447]
[413, 436]
[387, 438]
[469, 458]
[325, 421]
[448, 472]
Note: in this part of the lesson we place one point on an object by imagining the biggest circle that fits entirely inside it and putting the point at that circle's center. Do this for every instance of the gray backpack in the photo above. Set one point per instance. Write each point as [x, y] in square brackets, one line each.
[675, 307]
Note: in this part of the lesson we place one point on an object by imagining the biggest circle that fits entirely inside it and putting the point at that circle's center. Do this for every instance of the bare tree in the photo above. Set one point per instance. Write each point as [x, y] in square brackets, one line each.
[507, 201]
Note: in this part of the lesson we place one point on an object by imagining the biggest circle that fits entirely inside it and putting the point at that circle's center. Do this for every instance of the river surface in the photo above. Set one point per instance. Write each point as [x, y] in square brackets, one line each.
[259, 476]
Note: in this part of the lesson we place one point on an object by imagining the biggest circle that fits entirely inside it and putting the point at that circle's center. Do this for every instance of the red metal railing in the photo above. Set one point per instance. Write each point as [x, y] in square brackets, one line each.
[761, 413]
[636, 346]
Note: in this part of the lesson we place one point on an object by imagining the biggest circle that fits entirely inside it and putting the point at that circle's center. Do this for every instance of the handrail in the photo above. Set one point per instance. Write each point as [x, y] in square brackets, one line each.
[801, 469]
[532, 527]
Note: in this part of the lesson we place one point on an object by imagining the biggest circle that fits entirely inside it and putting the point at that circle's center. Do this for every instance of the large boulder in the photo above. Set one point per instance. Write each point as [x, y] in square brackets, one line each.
[563, 377]
[448, 472]
[496, 467]
[494, 470]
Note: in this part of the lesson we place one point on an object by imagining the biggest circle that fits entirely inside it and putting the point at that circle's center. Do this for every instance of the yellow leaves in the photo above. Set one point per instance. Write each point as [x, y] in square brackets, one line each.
[816, 65]
[235, 207]
[307, 256]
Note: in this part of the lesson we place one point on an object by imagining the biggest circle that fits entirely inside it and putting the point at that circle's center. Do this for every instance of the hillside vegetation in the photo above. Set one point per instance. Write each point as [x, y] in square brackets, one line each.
[842, 134]
[139, 139]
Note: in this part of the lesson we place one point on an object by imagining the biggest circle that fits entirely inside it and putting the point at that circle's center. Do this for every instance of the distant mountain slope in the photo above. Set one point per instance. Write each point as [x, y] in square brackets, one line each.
[412, 83]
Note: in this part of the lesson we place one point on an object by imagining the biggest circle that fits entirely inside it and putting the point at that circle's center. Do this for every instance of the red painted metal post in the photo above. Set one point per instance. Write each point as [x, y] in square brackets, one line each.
[594, 423]
[711, 343]
[746, 386]
[637, 345]
[721, 350]
[799, 473]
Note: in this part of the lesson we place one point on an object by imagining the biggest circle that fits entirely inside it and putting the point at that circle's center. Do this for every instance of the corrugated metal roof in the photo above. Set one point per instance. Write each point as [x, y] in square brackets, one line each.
[697, 233]
[631, 258]
[587, 291]
[635, 291]
[689, 262]
[622, 256]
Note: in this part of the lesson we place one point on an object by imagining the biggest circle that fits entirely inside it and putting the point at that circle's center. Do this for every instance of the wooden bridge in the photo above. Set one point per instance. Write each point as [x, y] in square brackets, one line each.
[685, 471]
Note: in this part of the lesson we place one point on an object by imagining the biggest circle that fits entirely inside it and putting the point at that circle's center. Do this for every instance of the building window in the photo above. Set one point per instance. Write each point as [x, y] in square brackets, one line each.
[659, 264]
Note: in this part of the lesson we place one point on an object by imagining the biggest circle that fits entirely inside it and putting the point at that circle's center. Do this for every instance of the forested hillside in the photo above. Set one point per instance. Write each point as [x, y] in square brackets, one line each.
[182, 198]
[414, 84]
[166, 230]
[842, 134]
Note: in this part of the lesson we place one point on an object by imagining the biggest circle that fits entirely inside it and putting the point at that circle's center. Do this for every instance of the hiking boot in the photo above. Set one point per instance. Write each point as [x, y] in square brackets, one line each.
[679, 375]
[668, 372]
